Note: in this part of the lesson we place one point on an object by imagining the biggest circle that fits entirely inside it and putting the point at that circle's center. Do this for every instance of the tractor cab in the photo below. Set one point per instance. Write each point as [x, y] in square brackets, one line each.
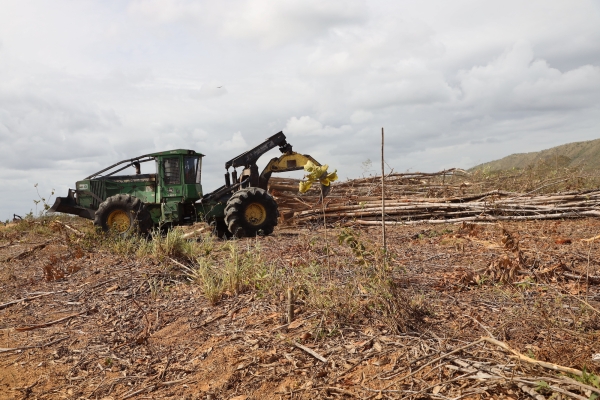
[179, 175]
[179, 185]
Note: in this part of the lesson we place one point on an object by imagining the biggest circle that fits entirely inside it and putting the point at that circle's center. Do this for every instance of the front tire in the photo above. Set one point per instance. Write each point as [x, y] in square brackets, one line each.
[251, 211]
[123, 214]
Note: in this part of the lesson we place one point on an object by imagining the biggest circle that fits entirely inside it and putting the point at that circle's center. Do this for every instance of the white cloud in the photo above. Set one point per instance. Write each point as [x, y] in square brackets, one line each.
[360, 116]
[208, 90]
[87, 84]
[36, 131]
[517, 81]
[237, 142]
[166, 11]
[274, 23]
[308, 126]
[409, 87]
[267, 22]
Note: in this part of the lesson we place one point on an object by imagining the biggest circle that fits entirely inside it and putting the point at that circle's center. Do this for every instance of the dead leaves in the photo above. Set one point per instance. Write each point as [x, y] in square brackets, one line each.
[296, 324]
[551, 271]
[504, 270]
[52, 272]
[510, 240]
[60, 266]
[470, 229]
[460, 275]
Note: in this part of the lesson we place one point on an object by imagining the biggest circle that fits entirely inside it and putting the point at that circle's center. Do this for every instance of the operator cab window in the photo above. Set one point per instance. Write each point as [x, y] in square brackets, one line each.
[192, 167]
[172, 172]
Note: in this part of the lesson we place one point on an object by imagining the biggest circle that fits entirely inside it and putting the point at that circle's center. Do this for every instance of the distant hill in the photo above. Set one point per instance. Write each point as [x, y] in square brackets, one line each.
[576, 154]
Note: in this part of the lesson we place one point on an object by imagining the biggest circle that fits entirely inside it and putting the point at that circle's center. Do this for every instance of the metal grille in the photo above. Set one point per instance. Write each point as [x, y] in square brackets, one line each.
[97, 187]
[172, 171]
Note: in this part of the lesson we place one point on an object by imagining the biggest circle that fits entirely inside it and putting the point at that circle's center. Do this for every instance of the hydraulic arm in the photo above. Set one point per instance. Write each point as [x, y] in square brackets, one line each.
[289, 161]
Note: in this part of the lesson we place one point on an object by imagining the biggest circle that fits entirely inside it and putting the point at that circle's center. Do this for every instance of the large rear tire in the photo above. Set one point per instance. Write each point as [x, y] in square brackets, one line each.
[123, 214]
[250, 212]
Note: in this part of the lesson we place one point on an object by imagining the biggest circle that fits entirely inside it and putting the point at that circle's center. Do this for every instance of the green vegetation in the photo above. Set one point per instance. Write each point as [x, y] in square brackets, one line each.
[584, 156]
[588, 378]
[570, 167]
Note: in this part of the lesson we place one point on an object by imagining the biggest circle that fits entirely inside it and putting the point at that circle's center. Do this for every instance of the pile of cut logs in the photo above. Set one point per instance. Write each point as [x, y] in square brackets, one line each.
[411, 198]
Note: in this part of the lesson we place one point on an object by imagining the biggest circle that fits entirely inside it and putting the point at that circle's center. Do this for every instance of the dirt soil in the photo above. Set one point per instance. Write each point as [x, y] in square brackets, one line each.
[78, 322]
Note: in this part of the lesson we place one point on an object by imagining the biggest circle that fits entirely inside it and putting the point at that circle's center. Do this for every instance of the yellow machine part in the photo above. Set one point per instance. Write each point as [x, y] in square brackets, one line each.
[255, 214]
[119, 221]
[290, 162]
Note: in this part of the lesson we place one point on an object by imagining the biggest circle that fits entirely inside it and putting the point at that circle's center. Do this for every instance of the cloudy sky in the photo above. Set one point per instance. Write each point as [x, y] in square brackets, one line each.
[84, 84]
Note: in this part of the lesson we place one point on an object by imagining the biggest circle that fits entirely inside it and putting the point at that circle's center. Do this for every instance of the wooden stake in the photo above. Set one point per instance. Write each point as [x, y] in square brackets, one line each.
[325, 228]
[290, 305]
[383, 199]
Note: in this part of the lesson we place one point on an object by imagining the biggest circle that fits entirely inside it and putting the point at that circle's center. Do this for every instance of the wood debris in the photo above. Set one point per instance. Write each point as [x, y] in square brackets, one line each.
[417, 198]
[454, 321]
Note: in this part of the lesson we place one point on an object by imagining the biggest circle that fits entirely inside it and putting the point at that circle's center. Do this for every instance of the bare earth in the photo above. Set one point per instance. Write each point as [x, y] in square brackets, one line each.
[101, 325]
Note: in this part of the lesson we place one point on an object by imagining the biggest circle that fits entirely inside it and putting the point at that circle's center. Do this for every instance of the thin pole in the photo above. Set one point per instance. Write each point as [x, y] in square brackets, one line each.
[383, 198]
[325, 226]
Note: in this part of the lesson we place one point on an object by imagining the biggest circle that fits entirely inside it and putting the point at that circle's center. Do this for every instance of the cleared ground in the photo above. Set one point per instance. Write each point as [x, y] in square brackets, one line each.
[201, 318]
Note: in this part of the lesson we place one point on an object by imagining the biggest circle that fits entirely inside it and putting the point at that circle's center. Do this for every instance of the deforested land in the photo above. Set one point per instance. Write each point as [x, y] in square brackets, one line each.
[489, 288]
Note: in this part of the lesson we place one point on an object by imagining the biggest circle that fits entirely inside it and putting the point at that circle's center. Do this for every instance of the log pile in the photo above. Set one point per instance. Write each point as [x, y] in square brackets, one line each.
[442, 197]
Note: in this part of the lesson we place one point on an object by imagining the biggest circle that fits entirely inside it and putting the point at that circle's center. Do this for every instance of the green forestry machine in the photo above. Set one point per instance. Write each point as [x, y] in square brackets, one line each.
[137, 203]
